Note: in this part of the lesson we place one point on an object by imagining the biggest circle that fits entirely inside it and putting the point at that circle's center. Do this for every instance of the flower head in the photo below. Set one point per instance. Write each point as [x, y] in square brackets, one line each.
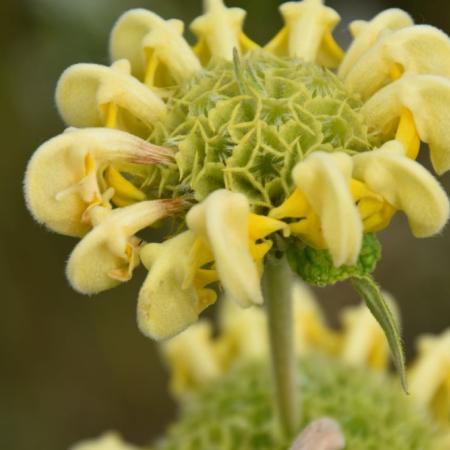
[295, 146]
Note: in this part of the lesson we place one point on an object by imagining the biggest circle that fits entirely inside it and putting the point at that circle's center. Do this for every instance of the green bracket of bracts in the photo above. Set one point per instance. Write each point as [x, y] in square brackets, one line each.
[316, 266]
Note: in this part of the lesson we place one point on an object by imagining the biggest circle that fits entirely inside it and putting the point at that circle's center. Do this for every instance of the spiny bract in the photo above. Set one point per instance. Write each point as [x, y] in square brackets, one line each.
[244, 125]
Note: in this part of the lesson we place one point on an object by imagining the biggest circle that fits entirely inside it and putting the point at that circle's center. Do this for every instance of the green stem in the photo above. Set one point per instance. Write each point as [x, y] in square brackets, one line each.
[278, 298]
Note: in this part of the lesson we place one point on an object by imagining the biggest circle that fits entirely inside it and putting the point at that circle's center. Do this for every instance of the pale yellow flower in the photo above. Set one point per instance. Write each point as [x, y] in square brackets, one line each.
[270, 150]
[107, 255]
[109, 441]
[426, 98]
[90, 95]
[430, 375]
[219, 32]
[61, 181]
[156, 49]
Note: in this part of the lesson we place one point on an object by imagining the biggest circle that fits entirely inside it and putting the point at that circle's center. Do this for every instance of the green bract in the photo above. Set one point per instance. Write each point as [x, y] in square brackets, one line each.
[244, 125]
[316, 266]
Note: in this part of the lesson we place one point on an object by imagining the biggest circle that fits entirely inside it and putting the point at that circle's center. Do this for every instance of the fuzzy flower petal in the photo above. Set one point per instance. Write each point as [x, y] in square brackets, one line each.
[406, 185]
[107, 255]
[307, 33]
[167, 303]
[421, 49]
[109, 441]
[61, 178]
[193, 358]
[86, 92]
[144, 38]
[312, 334]
[428, 99]
[429, 378]
[245, 331]
[222, 219]
[367, 33]
[324, 178]
[219, 32]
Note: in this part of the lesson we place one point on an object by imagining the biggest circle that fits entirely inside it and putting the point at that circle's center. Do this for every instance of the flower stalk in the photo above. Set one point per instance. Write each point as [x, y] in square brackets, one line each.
[277, 283]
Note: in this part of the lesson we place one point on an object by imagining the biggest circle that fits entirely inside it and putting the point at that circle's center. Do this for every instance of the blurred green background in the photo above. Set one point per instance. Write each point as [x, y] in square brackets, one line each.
[73, 366]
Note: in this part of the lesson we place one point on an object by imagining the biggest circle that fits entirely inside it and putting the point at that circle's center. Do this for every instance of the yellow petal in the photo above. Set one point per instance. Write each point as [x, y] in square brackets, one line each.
[312, 334]
[84, 89]
[420, 49]
[244, 331]
[376, 213]
[109, 441]
[295, 206]
[192, 358]
[138, 31]
[307, 33]
[219, 31]
[324, 179]
[106, 256]
[407, 134]
[61, 178]
[124, 190]
[427, 97]
[367, 33]
[222, 220]
[166, 306]
[261, 226]
[429, 376]
[406, 185]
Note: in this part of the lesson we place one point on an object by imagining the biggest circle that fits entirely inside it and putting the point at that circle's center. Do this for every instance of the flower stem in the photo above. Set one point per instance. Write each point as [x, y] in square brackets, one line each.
[277, 292]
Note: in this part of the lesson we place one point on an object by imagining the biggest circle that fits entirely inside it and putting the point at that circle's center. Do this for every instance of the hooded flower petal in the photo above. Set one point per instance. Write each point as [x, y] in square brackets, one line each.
[367, 33]
[107, 255]
[312, 334]
[421, 49]
[324, 179]
[109, 441]
[244, 332]
[429, 378]
[427, 97]
[193, 359]
[222, 219]
[156, 49]
[406, 185]
[91, 95]
[61, 178]
[307, 33]
[168, 301]
[219, 32]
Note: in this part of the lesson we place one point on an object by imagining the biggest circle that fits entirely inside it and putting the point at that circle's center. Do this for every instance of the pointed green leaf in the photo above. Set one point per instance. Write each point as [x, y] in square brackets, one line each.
[371, 294]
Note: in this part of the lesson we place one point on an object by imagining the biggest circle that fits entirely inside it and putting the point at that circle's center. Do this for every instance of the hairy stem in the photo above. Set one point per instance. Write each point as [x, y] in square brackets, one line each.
[277, 292]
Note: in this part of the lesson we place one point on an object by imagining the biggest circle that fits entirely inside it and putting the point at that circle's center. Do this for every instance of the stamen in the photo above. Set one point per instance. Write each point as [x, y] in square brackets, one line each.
[261, 226]
[376, 213]
[125, 193]
[407, 134]
[330, 44]
[152, 65]
[246, 43]
[396, 71]
[111, 113]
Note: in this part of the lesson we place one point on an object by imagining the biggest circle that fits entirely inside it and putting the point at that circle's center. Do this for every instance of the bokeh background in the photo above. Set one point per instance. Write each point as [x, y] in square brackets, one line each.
[72, 366]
